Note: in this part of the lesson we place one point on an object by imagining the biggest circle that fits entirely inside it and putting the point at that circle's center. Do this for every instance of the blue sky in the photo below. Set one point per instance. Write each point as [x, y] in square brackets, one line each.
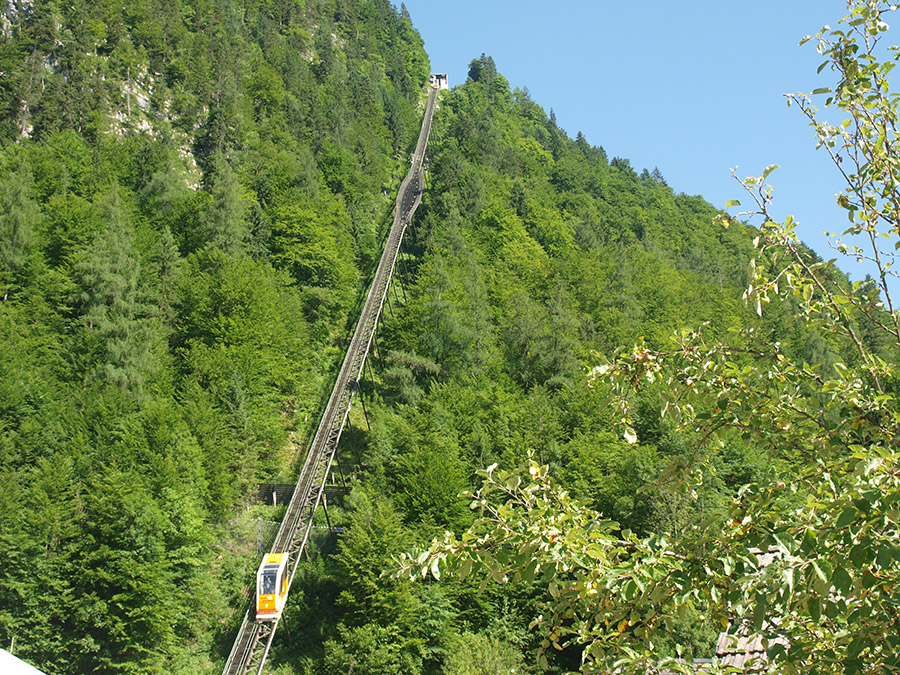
[694, 88]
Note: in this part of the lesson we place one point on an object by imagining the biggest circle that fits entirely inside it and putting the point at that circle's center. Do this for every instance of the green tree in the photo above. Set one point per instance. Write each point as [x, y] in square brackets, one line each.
[266, 89]
[311, 242]
[19, 216]
[225, 225]
[430, 478]
[117, 320]
[478, 654]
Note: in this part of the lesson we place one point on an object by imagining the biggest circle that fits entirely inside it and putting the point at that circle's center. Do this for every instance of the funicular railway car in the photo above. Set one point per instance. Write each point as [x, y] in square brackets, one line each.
[271, 586]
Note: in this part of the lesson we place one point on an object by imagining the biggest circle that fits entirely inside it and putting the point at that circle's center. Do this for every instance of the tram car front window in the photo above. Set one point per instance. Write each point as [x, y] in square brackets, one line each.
[268, 584]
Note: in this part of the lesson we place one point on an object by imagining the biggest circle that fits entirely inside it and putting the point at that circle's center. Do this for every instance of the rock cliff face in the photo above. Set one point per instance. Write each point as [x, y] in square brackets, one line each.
[14, 9]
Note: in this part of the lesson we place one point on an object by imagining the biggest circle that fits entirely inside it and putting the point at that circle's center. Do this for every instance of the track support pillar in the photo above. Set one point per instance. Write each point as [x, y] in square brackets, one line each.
[362, 400]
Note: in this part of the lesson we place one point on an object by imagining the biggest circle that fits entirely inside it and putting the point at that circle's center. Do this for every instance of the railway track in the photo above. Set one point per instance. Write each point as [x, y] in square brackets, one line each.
[254, 639]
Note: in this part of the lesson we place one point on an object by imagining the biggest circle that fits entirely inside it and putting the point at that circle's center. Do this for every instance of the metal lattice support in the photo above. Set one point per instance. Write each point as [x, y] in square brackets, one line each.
[254, 639]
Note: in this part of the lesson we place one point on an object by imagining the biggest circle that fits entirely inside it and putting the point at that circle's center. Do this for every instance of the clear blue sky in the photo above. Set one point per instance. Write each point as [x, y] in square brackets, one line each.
[694, 88]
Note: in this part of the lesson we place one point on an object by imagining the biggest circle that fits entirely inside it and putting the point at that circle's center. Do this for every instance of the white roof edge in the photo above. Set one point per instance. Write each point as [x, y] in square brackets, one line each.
[12, 665]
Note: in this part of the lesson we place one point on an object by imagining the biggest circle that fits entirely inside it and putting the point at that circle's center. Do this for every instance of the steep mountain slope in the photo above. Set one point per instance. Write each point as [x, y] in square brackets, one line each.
[191, 193]
[534, 251]
[192, 198]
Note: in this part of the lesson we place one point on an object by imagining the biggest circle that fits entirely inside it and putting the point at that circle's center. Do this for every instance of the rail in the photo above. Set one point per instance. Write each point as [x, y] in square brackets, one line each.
[254, 639]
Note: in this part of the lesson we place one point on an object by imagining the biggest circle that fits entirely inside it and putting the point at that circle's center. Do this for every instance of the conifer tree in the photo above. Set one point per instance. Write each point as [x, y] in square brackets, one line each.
[225, 226]
[658, 177]
[113, 307]
[18, 217]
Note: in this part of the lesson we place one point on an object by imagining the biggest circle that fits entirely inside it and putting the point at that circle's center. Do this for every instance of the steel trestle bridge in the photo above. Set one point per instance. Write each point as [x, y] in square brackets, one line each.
[254, 640]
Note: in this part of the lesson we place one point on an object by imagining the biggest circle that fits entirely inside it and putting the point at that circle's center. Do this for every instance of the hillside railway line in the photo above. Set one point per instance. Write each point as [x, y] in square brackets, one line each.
[254, 639]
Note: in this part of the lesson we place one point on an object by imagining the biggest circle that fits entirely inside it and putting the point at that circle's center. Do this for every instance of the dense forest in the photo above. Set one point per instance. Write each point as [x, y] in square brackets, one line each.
[194, 196]
[192, 199]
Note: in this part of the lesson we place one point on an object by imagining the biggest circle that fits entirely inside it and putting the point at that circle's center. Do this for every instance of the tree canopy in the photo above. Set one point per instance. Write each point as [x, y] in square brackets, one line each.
[191, 196]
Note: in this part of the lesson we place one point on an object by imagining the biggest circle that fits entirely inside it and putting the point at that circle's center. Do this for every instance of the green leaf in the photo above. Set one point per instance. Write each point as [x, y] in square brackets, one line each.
[465, 568]
[788, 575]
[732, 202]
[769, 169]
[818, 571]
[815, 608]
[759, 612]
[883, 556]
[848, 515]
[858, 555]
[841, 580]
[630, 590]
[821, 90]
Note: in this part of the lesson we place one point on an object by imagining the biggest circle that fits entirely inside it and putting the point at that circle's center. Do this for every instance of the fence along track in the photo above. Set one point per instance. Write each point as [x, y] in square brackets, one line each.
[252, 644]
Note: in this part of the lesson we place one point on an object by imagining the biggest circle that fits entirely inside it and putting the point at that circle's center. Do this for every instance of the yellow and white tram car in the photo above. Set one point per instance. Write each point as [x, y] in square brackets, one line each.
[271, 586]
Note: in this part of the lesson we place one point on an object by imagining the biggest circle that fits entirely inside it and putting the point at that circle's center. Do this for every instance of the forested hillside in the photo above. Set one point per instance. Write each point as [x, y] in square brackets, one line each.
[755, 487]
[536, 256]
[192, 199]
